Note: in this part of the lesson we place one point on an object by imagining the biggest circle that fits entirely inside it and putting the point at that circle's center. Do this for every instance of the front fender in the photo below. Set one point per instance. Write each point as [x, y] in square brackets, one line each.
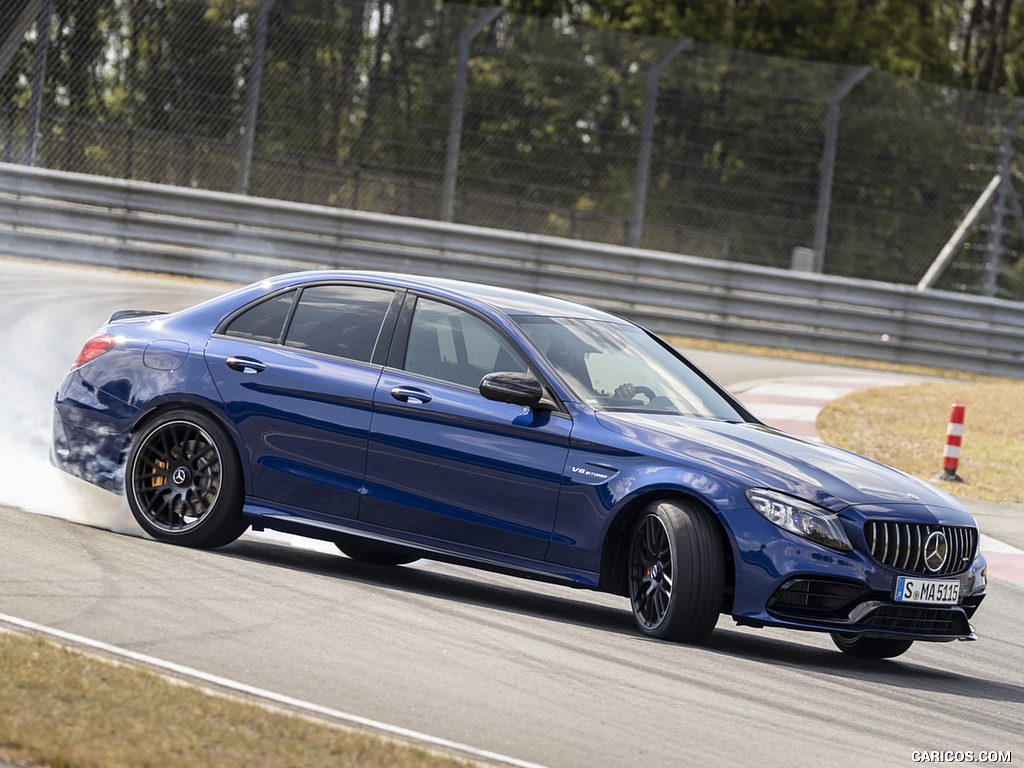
[601, 484]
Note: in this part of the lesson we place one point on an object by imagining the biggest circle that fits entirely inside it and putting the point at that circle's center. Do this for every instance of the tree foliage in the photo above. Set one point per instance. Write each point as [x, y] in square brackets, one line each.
[356, 99]
[976, 44]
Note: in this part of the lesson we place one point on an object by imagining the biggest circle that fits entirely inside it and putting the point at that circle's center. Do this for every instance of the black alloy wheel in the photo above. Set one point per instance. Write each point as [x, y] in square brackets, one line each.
[184, 482]
[676, 572]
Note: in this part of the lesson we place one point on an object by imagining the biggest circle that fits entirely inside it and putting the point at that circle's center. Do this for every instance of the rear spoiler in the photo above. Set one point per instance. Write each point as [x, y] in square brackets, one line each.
[123, 314]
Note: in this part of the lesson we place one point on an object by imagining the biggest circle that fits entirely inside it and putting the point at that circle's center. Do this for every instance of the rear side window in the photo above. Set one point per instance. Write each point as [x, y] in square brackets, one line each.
[339, 320]
[264, 321]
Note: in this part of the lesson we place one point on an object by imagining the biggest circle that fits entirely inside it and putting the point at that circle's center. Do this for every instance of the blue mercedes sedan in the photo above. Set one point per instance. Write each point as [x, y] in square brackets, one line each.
[403, 417]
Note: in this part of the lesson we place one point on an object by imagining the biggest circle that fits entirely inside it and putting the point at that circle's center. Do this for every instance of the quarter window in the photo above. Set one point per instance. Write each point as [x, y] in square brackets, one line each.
[263, 321]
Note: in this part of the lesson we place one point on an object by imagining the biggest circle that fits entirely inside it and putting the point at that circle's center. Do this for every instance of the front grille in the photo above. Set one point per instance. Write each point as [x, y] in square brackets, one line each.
[902, 546]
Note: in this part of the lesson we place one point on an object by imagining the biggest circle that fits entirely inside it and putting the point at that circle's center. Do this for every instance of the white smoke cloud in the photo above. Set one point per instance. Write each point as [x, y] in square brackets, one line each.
[47, 312]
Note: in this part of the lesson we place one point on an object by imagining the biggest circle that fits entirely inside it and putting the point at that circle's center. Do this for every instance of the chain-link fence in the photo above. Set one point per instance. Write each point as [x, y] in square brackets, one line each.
[484, 117]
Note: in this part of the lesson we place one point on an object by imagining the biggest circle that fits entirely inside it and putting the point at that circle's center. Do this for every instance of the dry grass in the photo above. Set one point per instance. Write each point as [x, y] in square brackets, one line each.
[905, 427]
[66, 709]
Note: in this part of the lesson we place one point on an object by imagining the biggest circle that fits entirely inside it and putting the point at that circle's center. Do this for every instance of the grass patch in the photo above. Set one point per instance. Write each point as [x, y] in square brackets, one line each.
[905, 427]
[67, 709]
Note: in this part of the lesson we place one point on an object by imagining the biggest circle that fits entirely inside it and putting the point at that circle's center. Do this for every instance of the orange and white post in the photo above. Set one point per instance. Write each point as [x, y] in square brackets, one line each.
[951, 453]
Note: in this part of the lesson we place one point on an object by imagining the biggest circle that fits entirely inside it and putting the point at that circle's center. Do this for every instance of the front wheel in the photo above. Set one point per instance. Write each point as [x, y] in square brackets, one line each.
[183, 481]
[870, 647]
[676, 572]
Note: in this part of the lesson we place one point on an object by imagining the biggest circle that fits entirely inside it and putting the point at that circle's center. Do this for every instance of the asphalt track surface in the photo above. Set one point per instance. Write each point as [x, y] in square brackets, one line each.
[541, 673]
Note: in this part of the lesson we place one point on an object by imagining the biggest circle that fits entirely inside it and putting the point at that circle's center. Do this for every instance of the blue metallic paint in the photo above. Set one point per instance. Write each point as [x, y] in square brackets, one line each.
[303, 423]
[467, 470]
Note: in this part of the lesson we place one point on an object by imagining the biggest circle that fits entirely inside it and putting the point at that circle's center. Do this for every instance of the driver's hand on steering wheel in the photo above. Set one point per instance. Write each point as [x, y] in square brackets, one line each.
[625, 391]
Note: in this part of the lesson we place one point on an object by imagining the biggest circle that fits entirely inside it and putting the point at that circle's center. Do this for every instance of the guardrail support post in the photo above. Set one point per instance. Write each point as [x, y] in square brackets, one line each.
[643, 163]
[252, 99]
[451, 159]
[828, 165]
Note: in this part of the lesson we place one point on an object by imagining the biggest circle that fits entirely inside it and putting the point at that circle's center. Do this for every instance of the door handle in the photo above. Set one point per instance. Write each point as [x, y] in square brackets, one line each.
[245, 364]
[410, 395]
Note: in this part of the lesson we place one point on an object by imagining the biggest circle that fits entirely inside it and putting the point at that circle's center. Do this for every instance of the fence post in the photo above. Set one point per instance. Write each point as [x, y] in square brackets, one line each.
[35, 108]
[1005, 192]
[451, 159]
[20, 20]
[828, 165]
[252, 99]
[643, 163]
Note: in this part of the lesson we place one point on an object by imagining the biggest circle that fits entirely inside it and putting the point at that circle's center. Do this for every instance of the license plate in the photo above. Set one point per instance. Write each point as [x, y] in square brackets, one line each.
[910, 590]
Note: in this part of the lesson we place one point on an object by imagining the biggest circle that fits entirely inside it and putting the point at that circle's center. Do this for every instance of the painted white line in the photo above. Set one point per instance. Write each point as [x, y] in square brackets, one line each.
[277, 698]
[988, 544]
[801, 391]
[769, 411]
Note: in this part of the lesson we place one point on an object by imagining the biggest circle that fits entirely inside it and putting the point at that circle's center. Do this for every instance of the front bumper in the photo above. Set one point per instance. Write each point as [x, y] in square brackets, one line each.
[785, 581]
[824, 605]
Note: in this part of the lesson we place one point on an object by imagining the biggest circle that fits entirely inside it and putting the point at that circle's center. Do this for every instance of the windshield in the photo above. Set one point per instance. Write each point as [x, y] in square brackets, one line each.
[618, 367]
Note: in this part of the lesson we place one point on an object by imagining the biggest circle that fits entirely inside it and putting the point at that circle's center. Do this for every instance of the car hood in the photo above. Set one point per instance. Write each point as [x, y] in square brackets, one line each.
[756, 455]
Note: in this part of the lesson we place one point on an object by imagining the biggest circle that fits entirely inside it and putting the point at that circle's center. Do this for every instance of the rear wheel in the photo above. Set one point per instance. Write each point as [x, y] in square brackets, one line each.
[676, 571]
[183, 481]
[870, 647]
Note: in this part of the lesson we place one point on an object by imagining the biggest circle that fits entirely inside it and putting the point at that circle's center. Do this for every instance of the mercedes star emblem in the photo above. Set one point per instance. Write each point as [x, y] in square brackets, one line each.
[935, 550]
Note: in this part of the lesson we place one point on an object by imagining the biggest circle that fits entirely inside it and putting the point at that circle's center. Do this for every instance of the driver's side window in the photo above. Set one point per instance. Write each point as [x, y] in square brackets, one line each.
[457, 347]
[606, 369]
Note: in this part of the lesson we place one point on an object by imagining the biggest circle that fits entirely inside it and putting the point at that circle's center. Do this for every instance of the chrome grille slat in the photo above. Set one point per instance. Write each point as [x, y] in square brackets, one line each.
[918, 563]
[900, 545]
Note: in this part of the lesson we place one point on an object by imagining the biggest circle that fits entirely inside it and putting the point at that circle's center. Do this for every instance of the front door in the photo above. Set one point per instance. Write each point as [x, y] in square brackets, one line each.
[446, 464]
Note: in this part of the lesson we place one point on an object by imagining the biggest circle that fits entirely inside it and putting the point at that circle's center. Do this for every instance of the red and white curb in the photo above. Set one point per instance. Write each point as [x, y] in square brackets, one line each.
[793, 405]
[1004, 562]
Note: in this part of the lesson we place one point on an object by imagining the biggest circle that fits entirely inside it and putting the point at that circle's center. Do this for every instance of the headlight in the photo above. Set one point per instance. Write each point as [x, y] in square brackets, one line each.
[800, 517]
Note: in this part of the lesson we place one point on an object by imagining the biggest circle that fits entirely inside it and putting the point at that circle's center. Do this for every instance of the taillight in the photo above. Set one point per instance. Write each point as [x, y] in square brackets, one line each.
[95, 347]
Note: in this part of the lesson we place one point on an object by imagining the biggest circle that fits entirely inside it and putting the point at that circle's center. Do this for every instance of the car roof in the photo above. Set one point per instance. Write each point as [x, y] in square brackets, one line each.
[506, 300]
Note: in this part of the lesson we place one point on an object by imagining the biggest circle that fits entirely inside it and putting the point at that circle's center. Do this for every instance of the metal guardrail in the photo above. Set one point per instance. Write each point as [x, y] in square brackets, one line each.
[135, 225]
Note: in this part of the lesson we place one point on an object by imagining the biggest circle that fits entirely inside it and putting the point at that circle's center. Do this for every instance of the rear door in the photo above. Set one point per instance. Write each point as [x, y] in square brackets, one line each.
[448, 464]
[297, 373]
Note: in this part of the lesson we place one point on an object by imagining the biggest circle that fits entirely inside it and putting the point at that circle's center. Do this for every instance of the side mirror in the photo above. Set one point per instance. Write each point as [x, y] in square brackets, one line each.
[514, 388]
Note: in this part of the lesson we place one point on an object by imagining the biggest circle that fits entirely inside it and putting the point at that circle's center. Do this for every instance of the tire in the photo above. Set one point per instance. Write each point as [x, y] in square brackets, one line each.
[870, 647]
[364, 552]
[676, 572]
[183, 481]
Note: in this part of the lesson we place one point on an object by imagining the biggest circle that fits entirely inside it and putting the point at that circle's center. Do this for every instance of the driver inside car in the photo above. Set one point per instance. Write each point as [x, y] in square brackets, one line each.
[571, 362]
